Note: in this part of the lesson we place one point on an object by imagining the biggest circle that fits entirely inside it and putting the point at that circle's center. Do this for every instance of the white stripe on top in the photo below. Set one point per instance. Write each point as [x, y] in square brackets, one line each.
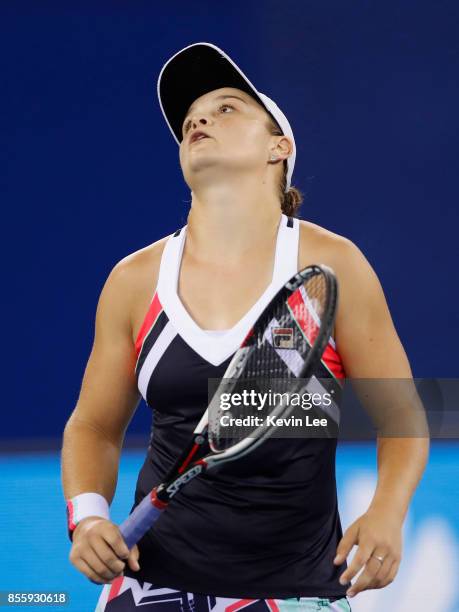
[216, 348]
[156, 352]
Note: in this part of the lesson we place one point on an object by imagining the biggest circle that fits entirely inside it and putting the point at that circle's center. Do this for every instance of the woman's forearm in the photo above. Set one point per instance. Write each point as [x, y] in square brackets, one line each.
[90, 460]
[401, 463]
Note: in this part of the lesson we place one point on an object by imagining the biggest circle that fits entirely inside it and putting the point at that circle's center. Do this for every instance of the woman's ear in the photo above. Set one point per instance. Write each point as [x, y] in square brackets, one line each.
[281, 150]
[284, 147]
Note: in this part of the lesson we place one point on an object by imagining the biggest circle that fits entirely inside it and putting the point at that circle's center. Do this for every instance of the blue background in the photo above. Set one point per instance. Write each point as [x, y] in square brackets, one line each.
[90, 173]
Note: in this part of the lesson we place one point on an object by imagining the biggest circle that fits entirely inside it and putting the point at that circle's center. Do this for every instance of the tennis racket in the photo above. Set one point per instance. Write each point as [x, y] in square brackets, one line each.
[285, 345]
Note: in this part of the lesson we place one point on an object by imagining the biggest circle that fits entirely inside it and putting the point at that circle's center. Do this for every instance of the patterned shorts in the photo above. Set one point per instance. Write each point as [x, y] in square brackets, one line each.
[126, 594]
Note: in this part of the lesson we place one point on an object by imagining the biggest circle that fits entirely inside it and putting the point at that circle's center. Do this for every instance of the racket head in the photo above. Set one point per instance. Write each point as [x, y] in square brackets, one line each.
[283, 348]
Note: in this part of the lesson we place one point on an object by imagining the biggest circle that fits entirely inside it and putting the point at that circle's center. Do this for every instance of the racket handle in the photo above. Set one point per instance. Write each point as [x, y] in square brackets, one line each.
[141, 519]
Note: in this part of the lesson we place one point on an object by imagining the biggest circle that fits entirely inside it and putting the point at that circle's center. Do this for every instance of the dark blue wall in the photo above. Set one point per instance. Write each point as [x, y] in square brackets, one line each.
[90, 172]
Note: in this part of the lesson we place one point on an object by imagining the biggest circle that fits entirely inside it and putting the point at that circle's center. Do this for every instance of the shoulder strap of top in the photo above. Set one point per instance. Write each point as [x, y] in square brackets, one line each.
[286, 262]
[169, 266]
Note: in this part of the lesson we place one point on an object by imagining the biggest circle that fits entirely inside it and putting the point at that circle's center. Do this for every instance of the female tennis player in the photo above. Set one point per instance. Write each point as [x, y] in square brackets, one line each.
[265, 531]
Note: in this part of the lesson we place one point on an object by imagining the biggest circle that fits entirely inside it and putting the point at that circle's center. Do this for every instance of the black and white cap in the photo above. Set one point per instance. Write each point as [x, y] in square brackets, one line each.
[203, 67]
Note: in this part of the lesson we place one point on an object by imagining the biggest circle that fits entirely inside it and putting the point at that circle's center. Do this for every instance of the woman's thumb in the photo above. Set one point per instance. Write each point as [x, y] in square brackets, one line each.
[133, 559]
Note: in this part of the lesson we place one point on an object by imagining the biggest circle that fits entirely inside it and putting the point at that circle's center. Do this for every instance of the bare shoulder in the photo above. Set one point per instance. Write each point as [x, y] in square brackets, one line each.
[317, 240]
[319, 245]
[132, 281]
[133, 268]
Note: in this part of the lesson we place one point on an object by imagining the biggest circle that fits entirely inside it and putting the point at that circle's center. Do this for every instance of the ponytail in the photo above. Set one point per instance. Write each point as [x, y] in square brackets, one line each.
[292, 199]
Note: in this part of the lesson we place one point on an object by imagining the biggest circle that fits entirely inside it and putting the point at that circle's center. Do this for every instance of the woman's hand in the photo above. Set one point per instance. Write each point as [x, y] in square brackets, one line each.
[99, 551]
[378, 533]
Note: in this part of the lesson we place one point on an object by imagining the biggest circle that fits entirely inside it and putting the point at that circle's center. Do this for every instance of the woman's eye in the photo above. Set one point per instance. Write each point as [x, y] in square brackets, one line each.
[226, 106]
[222, 109]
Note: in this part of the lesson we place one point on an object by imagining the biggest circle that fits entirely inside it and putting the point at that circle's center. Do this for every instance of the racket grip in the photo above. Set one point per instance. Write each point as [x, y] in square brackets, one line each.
[141, 519]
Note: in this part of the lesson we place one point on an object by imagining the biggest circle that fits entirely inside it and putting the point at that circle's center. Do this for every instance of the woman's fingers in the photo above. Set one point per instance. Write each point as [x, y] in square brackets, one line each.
[113, 537]
[133, 559]
[94, 551]
[375, 574]
[88, 571]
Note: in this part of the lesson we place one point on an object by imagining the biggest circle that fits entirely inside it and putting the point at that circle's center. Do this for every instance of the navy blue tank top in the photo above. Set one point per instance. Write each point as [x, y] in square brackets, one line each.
[264, 526]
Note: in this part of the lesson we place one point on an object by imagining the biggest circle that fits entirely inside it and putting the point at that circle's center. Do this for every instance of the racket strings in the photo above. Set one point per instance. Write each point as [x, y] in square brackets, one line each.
[278, 352]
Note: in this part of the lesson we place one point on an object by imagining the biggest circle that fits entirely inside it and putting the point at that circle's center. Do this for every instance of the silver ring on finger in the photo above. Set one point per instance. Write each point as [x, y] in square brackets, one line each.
[380, 559]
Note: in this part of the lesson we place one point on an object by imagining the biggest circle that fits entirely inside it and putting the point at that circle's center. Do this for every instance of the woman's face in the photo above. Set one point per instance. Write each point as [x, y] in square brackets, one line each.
[238, 139]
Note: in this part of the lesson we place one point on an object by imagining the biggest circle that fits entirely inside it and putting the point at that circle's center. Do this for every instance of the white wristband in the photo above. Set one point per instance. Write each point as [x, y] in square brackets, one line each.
[84, 505]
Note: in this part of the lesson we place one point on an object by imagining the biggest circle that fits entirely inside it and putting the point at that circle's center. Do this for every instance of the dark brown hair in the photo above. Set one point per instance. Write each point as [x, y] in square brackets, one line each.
[292, 199]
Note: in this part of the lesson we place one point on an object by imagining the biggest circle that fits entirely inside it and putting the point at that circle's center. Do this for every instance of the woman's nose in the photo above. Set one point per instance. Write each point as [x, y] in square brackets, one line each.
[201, 120]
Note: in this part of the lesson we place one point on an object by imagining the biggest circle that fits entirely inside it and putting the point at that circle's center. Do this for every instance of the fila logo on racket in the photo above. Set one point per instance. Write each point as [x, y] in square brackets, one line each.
[283, 337]
[177, 484]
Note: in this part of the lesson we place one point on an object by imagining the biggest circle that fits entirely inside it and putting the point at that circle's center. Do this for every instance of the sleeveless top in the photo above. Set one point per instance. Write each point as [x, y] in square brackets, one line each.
[263, 526]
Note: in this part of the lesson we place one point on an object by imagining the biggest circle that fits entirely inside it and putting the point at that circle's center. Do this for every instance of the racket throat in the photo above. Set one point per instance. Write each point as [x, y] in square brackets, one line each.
[166, 491]
[187, 456]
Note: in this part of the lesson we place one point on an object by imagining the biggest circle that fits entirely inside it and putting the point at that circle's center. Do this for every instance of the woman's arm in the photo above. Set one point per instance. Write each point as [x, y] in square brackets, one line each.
[371, 349]
[94, 433]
